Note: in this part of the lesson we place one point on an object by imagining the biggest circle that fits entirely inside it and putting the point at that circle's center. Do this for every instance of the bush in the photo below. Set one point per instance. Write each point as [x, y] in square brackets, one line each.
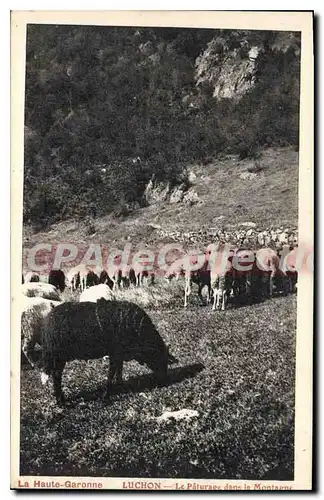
[121, 210]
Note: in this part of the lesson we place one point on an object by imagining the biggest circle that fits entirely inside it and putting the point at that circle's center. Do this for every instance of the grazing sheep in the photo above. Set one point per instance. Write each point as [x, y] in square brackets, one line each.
[92, 279]
[105, 280]
[95, 293]
[44, 290]
[267, 263]
[175, 270]
[114, 272]
[31, 277]
[81, 277]
[126, 277]
[142, 269]
[57, 278]
[142, 275]
[200, 276]
[221, 277]
[289, 268]
[33, 310]
[119, 329]
[73, 278]
[243, 272]
[121, 274]
[222, 286]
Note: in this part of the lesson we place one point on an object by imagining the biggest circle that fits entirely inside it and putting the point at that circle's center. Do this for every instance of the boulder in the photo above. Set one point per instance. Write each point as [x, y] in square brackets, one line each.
[176, 195]
[191, 197]
[248, 224]
[178, 415]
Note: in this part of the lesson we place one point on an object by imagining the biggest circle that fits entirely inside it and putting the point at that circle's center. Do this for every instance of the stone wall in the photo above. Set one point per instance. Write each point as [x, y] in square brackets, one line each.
[252, 237]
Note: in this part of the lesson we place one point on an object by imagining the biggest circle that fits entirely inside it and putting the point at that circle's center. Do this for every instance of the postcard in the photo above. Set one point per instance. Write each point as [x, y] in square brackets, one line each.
[162, 207]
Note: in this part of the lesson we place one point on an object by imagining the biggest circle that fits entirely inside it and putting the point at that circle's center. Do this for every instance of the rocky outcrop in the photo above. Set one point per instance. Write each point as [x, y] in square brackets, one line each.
[229, 65]
[158, 192]
[230, 71]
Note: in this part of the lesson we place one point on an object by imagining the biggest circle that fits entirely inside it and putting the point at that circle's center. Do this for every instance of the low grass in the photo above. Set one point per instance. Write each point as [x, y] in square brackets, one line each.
[235, 368]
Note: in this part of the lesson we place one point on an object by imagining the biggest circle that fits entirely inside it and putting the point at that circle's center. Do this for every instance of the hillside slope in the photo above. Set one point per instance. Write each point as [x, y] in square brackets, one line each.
[98, 98]
[231, 194]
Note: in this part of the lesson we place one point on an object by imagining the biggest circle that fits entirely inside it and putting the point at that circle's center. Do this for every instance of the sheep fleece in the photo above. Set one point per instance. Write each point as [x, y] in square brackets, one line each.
[87, 330]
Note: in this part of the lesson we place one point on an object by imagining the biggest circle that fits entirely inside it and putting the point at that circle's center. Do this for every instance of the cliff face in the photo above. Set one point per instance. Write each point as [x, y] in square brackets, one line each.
[230, 64]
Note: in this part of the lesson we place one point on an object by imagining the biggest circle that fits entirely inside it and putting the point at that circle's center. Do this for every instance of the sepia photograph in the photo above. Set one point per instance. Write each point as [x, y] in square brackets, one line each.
[162, 250]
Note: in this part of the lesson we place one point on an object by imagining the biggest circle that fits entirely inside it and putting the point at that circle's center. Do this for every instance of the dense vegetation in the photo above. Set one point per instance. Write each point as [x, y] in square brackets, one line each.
[108, 108]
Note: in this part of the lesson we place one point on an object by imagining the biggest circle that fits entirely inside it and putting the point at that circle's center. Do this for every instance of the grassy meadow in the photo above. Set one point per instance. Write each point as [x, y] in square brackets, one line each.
[236, 368]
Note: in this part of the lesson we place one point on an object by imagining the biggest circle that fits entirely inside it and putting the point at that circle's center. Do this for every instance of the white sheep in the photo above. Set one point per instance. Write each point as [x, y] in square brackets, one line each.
[44, 290]
[31, 277]
[33, 310]
[95, 293]
[80, 277]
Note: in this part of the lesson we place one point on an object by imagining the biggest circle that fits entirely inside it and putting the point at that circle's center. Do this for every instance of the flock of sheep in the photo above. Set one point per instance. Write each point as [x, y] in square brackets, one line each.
[54, 332]
[44, 312]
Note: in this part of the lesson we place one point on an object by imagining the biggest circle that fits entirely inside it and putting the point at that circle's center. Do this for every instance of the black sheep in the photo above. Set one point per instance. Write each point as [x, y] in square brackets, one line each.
[57, 278]
[86, 330]
[105, 279]
[91, 279]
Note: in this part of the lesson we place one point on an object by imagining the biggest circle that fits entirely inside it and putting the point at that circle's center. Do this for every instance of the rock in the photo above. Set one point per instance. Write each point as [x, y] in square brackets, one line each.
[283, 237]
[156, 192]
[176, 195]
[261, 239]
[267, 239]
[248, 224]
[229, 72]
[249, 232]
[248, 176]
[191, 176]
[178, 415]
[191, 197]
[274, 236]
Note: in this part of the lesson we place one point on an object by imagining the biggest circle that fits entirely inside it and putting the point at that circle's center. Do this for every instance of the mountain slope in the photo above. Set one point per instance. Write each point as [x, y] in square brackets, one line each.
[232, 195]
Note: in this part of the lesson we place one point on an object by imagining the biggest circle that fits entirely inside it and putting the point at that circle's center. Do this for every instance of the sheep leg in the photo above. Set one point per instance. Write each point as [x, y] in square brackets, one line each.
[185, 299]
[224, 299]
[28, 348]
[209, 294]
[187, 290]
[265, 287]
[200, 287]
[271, 285]
[287, 284]
[215, 294]
[115, 375]
[219, 293]
[235, 288]
[57, 382]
